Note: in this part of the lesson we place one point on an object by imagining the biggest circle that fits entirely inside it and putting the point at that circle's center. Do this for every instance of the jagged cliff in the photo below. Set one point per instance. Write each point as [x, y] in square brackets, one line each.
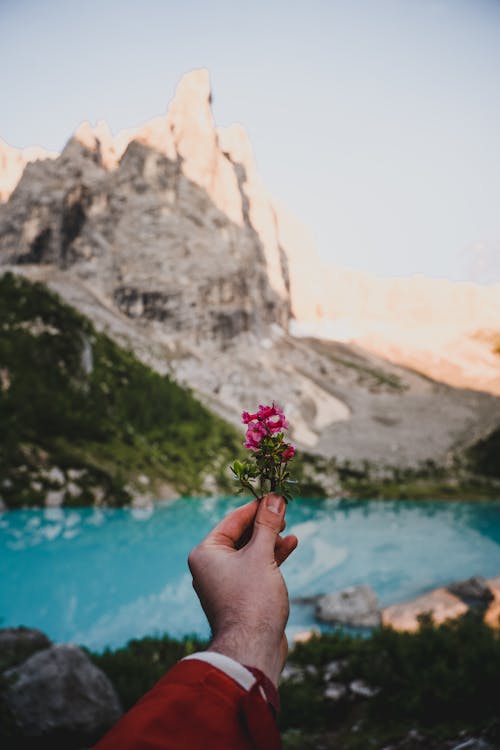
[163, 233]
[166, 238]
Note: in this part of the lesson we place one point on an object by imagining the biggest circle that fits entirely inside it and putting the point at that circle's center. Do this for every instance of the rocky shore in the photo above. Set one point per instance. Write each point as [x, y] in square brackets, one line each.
[358, 606]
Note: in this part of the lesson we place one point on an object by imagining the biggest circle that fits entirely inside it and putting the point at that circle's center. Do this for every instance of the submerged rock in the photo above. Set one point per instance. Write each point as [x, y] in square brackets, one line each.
[356, 606]
[58, 694]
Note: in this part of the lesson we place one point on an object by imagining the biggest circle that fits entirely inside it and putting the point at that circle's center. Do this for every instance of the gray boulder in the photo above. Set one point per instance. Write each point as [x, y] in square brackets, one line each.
[356, 606]
[58, 694]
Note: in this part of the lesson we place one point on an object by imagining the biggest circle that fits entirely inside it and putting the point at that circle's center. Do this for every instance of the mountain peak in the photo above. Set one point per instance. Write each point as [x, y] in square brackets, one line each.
[193, 92]
[12, 163]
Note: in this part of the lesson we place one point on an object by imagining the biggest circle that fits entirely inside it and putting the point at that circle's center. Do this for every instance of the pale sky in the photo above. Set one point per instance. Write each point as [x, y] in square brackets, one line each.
[376, 122]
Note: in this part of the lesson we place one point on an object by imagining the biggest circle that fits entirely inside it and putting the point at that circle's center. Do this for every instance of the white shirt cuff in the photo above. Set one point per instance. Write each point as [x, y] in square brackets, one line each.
[229, 666]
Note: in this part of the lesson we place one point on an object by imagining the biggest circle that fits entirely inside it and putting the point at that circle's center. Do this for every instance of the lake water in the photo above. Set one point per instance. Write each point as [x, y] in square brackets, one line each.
[99, 577]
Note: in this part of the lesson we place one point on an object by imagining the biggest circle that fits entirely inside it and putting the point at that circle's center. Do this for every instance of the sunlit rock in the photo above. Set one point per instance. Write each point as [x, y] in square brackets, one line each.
[12, 164]
[440, 604]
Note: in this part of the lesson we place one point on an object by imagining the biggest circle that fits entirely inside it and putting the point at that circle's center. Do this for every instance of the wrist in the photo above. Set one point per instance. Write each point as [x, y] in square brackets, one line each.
[263, 653]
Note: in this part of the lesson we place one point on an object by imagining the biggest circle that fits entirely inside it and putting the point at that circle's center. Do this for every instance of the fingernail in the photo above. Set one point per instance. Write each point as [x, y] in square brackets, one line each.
[274, 503]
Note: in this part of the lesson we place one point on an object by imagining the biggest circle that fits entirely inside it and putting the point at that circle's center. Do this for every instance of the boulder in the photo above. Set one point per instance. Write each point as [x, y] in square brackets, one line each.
[473, 590]
[59, 695]
[440, 603]
[356, 606]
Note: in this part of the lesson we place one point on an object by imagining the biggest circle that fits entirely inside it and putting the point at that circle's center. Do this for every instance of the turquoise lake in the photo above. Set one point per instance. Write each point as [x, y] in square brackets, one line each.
[99, 577]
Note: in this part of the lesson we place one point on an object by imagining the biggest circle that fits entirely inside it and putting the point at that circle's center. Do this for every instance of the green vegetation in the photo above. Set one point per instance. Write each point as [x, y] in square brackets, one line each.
[319, 477]
[440, 681]
[308, 471]
[415, 486]
[136, 667]
[485, 455]
[71, 398]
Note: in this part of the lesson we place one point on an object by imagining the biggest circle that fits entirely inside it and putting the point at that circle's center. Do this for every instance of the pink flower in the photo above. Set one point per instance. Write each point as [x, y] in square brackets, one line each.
[267, 421]
[277, 424]
[255, 432]
[288, 453]
[267, 411]
[246, 417]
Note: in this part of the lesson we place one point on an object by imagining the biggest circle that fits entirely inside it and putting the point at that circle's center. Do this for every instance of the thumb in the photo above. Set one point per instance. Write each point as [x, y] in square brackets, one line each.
[268, 524]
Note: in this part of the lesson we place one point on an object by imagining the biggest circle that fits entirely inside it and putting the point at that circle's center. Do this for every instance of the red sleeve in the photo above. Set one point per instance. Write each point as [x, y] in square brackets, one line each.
[196, 705]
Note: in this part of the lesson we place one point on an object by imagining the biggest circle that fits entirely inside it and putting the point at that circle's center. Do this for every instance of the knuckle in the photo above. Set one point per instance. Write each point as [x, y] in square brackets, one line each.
[268, 525]
[193, 558]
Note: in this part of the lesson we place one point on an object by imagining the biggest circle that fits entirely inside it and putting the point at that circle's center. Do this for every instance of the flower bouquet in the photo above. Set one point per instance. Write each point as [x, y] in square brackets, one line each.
[267, 468]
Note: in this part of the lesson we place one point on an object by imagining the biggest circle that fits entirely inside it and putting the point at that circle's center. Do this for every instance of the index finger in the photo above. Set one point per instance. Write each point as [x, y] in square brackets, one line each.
[232, 527]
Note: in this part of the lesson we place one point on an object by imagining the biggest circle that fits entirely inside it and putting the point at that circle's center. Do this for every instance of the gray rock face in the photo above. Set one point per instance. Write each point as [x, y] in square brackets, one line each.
[58, 693]
[356, 606]
[160, 235]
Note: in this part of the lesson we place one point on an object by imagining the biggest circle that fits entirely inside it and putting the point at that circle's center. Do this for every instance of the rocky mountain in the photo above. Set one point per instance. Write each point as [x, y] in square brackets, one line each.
[13, 162]
[165, 237]
[450, 331]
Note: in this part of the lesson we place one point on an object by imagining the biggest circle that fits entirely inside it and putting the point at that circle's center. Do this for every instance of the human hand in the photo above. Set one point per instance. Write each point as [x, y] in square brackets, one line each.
[241, 588]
